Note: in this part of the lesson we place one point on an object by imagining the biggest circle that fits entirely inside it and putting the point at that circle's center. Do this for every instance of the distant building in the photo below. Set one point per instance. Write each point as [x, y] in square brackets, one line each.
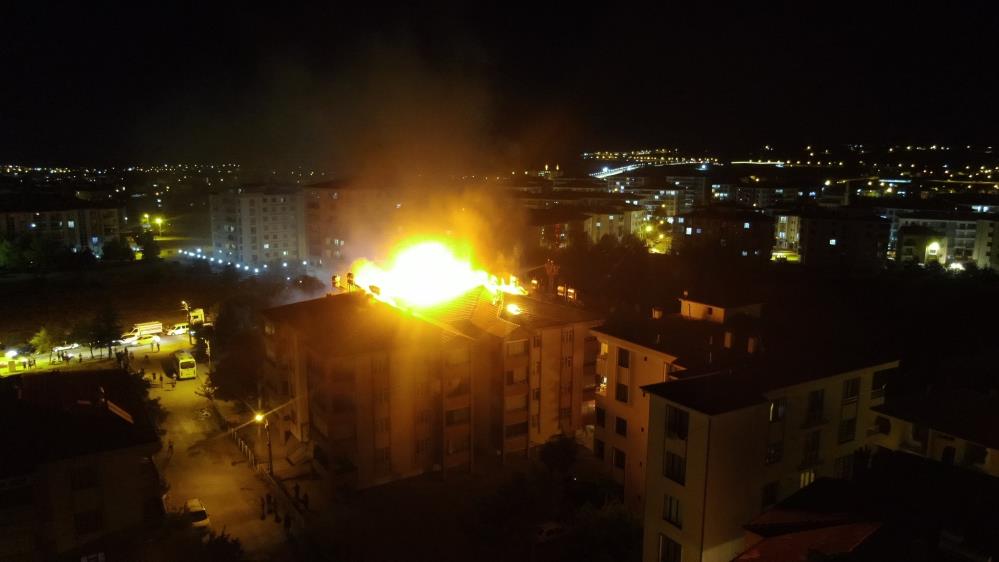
[725, 444]
[76, 224]
[967, 236]
[616, 223]
[634, 354]
[259, 225]
[77, 464]
[843, 241]
[921, 245]
[724, 231]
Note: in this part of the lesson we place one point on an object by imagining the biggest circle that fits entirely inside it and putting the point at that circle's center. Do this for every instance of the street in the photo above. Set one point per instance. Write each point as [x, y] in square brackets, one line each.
[206, 464]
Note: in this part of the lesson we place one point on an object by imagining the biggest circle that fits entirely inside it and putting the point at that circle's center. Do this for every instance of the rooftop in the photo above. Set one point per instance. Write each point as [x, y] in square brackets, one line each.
[354, 323]
[960, 412]
[713, 391]
[71, 414]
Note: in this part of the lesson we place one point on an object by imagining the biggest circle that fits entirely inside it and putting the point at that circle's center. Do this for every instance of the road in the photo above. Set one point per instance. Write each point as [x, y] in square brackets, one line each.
[206, 464]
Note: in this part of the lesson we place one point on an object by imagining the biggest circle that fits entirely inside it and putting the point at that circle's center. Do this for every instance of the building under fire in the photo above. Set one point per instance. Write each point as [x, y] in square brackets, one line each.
[375, 393]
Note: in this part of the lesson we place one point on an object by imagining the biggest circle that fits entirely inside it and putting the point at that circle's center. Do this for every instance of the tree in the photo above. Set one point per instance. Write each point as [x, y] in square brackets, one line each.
[179, 540]
[238, 374]
[559, 453]
[44, 341]
[117, 249]
[606, 534]
[105, 328]
[149, 246]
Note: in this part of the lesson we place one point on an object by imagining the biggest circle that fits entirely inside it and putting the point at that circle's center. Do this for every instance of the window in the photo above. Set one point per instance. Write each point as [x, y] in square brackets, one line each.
[816, 399]
[675, 467]
[879, 383]
[709, 311]
[623, 358]
[422, 446]
[516, 348]
[778, 408]
[601, 416]
[974, 454]
[882, 425]
[832, 241]
[847, 430]
[621, 426]
[745, 225]
[769, 494]
[454, 417]
[516, 430]
[598, 449]
[669, 550]
[619, 458]
[83, 478]
[775, 452]
[851, 390]
[805, 478]
[843, 467]
[516, 376]
[88, 522]
[564, 413]
[677, 423]
[810, 453]
[621, 392]
[671, 511]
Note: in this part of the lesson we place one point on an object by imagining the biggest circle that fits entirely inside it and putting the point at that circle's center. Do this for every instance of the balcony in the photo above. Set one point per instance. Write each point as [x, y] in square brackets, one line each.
[814, 419]
[911, 446]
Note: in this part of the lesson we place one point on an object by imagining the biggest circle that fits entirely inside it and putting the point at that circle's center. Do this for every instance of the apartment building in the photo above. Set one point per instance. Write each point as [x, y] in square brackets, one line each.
[400, 392]
[724, 445]
[365, 386]
[338, 211]
[78, 225]
[616, 223]
[720, 230]
[659, 348]
[843, 241]
[542, 381]
[967, 236]
[259, 225]
[958, 427]
[78, 467]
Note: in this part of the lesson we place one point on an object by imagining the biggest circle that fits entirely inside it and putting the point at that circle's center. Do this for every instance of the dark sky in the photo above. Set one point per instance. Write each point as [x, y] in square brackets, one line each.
[501, 86]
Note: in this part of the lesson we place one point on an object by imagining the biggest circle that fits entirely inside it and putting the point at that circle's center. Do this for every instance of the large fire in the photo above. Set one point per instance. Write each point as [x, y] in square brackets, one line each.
[425, 274]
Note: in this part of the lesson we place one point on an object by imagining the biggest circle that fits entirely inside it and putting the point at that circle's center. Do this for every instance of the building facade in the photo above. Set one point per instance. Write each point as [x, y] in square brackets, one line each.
[659, 349]
[723, 446]
[83, 228]
[259, 226]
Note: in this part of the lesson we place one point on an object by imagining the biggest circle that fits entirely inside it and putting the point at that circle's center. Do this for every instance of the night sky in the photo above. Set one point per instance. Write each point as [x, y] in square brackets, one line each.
[500, 86]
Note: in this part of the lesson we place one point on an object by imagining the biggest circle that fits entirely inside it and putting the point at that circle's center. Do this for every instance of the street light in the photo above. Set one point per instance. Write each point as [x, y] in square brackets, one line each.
[159, 224]
[259, 417]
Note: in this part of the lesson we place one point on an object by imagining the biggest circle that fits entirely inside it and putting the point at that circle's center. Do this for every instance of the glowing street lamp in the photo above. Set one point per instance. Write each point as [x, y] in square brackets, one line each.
[159, 224]
[261, 418]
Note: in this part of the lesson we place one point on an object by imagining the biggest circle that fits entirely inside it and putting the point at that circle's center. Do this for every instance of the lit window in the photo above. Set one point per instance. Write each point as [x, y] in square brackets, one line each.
[745, 225]
[832, 241]
[689, 231]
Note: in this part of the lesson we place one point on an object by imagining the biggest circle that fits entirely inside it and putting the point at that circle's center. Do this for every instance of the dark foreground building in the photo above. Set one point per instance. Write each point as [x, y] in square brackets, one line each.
[76, 466]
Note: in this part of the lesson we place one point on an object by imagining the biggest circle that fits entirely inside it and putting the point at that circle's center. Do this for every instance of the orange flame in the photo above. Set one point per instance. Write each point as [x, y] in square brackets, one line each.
[425, 274]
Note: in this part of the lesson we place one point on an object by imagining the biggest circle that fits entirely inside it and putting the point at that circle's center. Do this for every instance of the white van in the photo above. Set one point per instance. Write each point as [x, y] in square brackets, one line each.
[178, 329]
[184, 365]
[140, 330]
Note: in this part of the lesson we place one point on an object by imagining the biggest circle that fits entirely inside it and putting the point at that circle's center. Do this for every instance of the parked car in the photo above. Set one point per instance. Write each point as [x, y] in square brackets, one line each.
[196, 513]
[178, 329]
[549, 531]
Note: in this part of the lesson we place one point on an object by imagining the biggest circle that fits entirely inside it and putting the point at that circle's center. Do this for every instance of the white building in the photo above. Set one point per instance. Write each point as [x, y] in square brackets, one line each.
[259, 225]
